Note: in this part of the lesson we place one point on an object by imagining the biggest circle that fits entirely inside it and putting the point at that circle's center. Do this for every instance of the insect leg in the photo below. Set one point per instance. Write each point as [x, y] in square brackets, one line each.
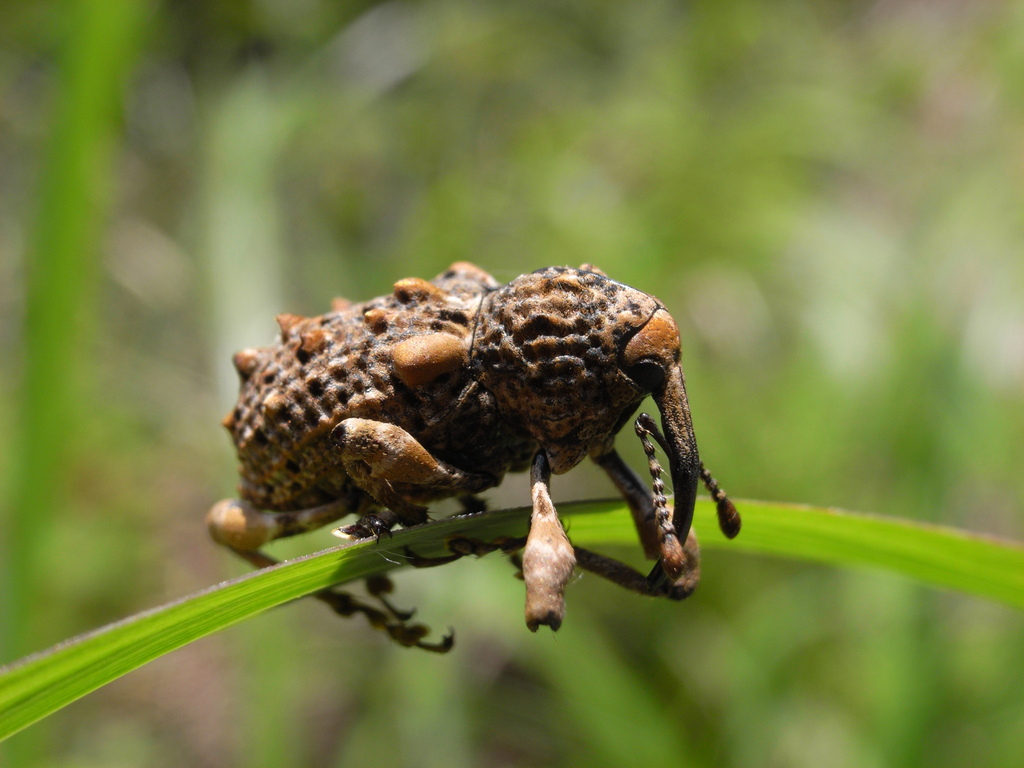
[548, 559]
[631, 579]
[674, 558]
[378, 456]
[239, 525]
[394, 623]
[637, 497]
[460, 546]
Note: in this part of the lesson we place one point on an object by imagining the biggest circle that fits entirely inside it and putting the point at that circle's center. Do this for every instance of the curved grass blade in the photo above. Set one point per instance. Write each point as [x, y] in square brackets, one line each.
[937, 555]
[39, 685]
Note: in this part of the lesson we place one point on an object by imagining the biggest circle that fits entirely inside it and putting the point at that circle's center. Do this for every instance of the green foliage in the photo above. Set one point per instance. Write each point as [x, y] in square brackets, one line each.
[40, 685]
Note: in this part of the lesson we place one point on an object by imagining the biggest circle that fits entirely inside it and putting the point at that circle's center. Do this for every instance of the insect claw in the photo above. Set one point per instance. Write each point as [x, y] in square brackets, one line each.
[380, 585]
[446, 643]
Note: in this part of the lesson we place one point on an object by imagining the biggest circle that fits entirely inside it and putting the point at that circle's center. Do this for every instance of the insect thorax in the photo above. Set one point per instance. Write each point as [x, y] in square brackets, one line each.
[548, 347]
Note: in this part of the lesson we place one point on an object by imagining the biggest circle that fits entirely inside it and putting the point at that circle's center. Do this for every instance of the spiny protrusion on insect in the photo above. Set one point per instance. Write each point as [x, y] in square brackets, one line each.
[416, 289]
[339, 304]
[376, 319]
[420, 359]
[592, 268]
[228, 422]
[287, 322]
[314, 341]
[274, 405]
[246, 362]
[472, 271]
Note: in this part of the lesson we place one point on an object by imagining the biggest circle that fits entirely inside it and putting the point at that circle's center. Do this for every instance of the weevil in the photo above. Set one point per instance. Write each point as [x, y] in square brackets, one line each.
[441, 388]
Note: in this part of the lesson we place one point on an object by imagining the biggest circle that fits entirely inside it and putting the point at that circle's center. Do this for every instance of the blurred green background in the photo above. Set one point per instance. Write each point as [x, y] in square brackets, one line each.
[827, 196]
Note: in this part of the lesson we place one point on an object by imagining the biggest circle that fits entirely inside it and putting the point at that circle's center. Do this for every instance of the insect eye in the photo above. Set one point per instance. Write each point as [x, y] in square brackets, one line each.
[647, 375]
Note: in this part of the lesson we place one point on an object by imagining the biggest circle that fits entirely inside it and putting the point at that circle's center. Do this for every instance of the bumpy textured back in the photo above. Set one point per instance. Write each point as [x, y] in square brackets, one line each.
[326, 369]
[477, 373]
[548, 349]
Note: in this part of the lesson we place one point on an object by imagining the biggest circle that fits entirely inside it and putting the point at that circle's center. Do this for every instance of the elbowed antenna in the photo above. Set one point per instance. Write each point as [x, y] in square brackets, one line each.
[686, 468]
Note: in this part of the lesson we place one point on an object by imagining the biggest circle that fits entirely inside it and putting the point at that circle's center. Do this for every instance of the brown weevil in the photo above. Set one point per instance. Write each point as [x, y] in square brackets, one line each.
[440, 388]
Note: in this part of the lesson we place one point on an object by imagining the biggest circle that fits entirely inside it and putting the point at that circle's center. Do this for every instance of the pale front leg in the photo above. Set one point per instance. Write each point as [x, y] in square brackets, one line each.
[548, 558]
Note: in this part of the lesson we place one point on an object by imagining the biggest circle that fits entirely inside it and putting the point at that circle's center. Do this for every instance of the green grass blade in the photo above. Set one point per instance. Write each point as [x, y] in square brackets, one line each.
[60, 301]
[41, 684]
[937, 555]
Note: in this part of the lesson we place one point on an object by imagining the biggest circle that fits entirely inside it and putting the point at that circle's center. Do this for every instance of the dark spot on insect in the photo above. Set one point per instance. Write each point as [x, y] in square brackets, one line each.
[315, 387]
[454, 315]
[292, 466]
[358, 386]
[538, 325]
[269, 376]
[312, 416]
[338, 372]
[302, 355]
[436, 325]
[416, 424]
[260, 437]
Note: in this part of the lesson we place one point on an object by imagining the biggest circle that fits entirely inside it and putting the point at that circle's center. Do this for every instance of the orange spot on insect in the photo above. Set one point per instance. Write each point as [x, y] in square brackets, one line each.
[421, 359]
[416, 289]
